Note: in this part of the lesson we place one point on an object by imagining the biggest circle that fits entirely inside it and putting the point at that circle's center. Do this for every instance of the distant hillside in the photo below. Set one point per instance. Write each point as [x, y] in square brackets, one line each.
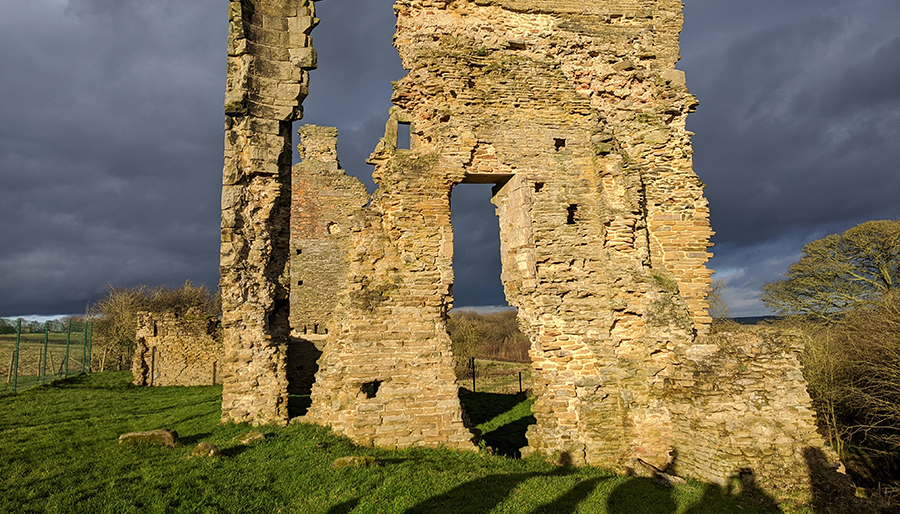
[753, 320]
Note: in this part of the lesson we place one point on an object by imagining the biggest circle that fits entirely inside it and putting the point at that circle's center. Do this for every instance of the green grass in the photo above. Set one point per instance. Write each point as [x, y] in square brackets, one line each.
[58, 453]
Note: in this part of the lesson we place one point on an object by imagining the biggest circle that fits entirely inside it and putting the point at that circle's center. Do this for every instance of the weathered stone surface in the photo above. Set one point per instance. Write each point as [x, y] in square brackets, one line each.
[355, 461]
[325, 205]
[574, 110]
[163, 437]
[177, 351]
[268, 53]
[250, 437]
[205, 449]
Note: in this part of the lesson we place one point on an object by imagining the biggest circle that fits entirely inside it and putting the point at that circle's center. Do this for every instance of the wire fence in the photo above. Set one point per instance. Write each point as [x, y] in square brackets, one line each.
[31, 358]
[490, 376]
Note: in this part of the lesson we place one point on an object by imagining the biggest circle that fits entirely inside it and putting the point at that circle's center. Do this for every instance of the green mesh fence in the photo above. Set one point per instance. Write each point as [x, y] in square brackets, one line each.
[31, 357]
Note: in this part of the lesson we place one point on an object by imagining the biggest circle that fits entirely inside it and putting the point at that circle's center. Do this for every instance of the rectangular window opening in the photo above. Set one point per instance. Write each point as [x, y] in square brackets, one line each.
[404, 137]
[572, 210]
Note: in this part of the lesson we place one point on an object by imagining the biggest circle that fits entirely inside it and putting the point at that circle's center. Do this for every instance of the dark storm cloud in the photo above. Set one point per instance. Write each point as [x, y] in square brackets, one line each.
[351, 89]
[111, 141]
[476, 247]
[109, 148]
[796, 129]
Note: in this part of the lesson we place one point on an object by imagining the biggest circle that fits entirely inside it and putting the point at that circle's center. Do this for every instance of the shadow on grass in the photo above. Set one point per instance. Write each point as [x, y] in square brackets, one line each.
[641, 495]
[478, 496]
[77, 380]
[234, 451]
[481, 407]
[192, 440]
[298, 405]
[482, 495]
[508, 439]
[345, 507]
[569, 502]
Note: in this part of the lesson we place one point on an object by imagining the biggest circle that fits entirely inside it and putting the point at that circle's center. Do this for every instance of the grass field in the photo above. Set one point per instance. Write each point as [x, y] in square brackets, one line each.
[31, 355]
[58, 453]
[497, 377]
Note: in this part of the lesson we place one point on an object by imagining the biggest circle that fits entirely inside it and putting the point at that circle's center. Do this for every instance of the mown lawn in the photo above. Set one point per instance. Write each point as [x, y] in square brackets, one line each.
[59, 453]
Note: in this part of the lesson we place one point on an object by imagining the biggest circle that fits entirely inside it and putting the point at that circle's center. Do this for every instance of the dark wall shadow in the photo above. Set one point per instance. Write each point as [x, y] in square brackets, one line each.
[301, 363]
[832, 492]
[478, 496]
[481, 407]
[569, 502]
[345, 507]
[750, 490]
[508, 439]
[641, 496]
[298, 405]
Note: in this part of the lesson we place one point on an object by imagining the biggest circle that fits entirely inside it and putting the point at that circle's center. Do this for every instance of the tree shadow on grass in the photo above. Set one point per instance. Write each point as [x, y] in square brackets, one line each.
[482, 495]
[344, 507]
[478, 496]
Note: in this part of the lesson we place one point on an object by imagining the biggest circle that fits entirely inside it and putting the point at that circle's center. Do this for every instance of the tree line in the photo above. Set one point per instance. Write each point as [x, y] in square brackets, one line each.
[493, 336]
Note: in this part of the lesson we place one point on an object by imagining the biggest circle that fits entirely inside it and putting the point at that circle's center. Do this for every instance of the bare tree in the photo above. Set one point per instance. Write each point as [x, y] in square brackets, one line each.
[840, 272]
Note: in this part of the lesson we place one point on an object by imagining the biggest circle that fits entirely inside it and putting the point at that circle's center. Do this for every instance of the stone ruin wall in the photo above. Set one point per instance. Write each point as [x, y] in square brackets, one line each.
[325, 201]
[177, 351]
[269, 55]
[574, 110]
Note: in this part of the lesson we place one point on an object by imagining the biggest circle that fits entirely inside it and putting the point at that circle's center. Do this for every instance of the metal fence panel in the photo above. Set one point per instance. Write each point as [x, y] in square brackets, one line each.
[28, 359]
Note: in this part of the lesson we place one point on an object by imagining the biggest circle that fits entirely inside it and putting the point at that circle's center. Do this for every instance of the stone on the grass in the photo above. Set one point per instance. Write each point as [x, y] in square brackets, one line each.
[205, 449]
[251, 437]
[162, 437]
[355, 461]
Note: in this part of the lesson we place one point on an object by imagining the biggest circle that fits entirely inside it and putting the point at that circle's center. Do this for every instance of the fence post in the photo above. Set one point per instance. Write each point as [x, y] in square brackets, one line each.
[15, 366]
[46, 342]
[68, 342]
[90, 344]
[473, 374]
[520, 381]
[84, 348]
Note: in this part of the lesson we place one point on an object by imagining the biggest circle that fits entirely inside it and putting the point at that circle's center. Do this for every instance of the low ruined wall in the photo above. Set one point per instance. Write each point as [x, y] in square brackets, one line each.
[740, 405]
[173, 350]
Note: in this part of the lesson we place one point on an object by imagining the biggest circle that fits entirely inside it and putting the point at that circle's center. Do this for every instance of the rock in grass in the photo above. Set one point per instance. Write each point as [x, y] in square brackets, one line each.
[355, 461]
[250, 437]
[205, 449]
[162, 437]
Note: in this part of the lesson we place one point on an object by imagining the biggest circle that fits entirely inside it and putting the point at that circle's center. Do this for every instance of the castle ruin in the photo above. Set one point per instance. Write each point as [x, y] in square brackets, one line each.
[574, 110]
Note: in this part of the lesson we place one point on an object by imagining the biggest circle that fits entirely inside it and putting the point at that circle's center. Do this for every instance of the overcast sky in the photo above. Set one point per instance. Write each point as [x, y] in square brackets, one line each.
[111, 129]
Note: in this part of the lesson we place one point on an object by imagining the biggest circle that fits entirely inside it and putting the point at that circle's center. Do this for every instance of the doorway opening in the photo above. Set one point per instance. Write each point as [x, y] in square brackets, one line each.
[491, 359]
